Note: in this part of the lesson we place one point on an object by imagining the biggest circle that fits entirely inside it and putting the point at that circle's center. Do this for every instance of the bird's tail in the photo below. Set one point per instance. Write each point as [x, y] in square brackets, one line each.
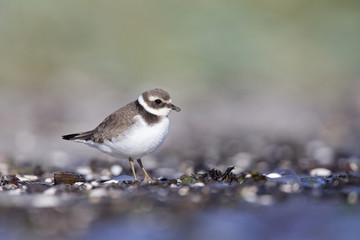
[79, 136]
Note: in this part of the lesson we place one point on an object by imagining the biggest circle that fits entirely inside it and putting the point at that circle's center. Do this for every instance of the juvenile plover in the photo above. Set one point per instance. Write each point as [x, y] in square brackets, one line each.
[132, 131]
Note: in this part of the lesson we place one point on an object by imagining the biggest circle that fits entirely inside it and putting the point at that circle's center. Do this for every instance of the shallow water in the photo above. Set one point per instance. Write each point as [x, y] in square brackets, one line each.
[292, 220]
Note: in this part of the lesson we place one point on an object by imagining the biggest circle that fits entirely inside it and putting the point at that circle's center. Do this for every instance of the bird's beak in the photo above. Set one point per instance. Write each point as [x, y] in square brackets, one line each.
[175, 108]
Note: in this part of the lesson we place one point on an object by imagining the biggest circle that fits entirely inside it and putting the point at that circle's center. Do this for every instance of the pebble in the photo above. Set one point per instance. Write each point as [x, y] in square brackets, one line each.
[47, 201]
[273, 175]
[67, 178]
[50, 191]
[290, 188]
[48, 180]
[27, 178]
[320, 172]
[105, 178]
[116, 170]
[111, 181]
[84, 170]
[88, 186]
[173, 185]
[197, 185]
[183, 191]
[249, 194]
[98, 193]
[95, 183]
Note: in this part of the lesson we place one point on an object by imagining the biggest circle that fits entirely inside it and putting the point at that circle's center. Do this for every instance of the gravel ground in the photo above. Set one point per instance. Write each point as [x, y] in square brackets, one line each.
[38, 204]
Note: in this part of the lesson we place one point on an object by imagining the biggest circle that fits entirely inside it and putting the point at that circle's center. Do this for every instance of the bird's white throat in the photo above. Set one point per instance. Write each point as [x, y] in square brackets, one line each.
[158, 112]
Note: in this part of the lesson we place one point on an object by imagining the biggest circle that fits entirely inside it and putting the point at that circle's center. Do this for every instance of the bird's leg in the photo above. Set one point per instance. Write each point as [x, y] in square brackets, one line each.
[131, 161]
[147, 177]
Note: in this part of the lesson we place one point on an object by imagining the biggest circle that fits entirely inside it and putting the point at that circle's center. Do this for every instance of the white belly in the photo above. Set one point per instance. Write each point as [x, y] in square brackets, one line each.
[140, 140]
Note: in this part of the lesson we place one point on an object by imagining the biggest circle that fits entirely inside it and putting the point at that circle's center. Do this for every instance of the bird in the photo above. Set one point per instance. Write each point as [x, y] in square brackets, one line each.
[133, 130]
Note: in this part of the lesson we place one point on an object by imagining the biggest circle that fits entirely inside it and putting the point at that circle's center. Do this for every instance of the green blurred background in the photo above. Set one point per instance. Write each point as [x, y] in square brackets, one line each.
[281, 68]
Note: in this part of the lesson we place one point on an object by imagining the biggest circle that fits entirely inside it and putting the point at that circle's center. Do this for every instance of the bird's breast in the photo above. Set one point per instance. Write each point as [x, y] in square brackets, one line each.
[140, 139]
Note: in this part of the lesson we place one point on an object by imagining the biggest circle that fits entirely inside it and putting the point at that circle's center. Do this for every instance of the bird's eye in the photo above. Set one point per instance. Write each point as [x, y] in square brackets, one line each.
[158, 101]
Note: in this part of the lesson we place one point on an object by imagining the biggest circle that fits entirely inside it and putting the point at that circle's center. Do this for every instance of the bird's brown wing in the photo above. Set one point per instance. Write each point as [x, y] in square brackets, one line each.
[110, 127]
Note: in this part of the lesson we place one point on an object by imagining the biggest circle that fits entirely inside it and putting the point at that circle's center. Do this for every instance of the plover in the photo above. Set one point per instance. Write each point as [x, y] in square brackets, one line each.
[132, 131]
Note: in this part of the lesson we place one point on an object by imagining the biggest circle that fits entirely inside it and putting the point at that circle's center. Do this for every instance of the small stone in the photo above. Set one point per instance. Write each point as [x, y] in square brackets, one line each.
[88, 186]
[28, 178]
[320, 172]
[184, 191]
[48, 180]
[95, 183]
[173, 185]
[273, 175]
[250, 194]
[67, 178]
[197, 185]
[98, 193]
[36, 187]
[116, 170]
[105, 178]
[50, 191]
[289, 188]
[45, 202]
[84, 170]
[111, 181]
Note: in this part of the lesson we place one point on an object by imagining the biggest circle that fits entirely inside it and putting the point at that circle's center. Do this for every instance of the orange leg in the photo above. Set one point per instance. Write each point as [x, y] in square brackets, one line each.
[131, 161]
[147, 177]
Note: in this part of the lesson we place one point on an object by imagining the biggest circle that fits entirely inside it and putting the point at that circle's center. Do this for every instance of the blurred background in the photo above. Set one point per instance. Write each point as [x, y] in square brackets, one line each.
[247, 74]
[262, 85]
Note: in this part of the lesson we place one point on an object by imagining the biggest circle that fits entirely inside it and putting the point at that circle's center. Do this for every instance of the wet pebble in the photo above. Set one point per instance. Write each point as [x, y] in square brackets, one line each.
[27, 178]
[111, 181]
[273, 175]
[197, 185]
[48, 180]
[320, 172]
[67, 178]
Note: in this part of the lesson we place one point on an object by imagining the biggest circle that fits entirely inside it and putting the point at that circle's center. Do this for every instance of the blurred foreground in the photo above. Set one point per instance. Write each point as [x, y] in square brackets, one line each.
[211, 204]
